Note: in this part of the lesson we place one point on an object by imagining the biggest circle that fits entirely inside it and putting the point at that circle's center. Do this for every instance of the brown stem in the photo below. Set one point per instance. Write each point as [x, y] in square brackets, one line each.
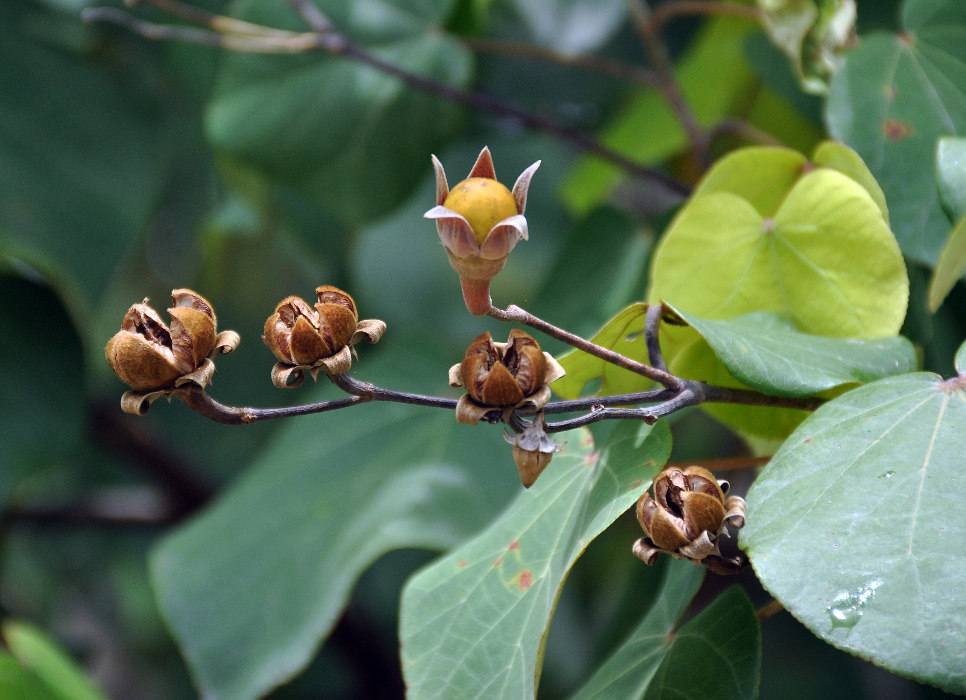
[652, 327]
[197, 400]
[768, 610]
[515, 314]
[226, 33]
[594, 64]
[665, 12]
[649, 31]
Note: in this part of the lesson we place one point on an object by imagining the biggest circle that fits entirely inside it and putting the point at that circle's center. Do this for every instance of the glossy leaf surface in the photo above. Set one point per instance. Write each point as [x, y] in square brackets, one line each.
[868, 495]
[766, 351]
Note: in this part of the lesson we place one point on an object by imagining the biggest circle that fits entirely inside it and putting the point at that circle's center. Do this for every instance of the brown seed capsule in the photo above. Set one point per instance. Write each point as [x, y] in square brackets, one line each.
[685, 516]
[495, 378]
[147, 354]
[504, 376]
[298, 334]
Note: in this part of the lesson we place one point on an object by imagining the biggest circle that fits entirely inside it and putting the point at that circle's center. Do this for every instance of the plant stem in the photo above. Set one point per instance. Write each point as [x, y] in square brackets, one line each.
[227, 33]
[517, 315]
[768, 610]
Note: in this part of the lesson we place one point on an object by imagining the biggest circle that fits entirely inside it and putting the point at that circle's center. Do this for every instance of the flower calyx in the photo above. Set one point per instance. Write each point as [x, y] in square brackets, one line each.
[316, 339]
[156, 359]
[685, 517]
[505, 376]
[532, 450]
[479, 222]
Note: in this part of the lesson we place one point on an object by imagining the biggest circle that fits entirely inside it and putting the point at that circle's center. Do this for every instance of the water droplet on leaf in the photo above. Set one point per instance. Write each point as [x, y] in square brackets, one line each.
[848, 607]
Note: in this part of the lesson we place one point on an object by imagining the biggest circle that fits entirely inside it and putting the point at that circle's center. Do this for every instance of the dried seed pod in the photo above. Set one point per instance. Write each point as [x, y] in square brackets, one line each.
[147, 354]
[319, 338]
[532, 450]
[503, 375]
[298, 334]
[684, 517]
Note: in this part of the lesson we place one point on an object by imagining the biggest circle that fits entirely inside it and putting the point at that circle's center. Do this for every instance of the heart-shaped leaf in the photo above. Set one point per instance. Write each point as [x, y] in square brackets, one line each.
[857, 525]
[721, 258]
[765, 351]
[474, 622]
[895, 96]
[353, 137]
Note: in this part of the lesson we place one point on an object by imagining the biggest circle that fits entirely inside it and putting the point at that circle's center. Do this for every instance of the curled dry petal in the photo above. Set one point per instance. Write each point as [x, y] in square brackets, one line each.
[148, 355]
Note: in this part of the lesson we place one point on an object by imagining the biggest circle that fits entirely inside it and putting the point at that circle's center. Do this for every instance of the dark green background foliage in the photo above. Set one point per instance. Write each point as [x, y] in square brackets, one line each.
[168, 556]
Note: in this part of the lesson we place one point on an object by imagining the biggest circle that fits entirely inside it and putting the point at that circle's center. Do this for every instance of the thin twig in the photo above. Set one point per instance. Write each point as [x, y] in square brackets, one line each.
[667, 11]
[649, 32]
[652, 323]
[517, 315]
[768, 610]
[594, 64]
[197, 400]
[224, 33]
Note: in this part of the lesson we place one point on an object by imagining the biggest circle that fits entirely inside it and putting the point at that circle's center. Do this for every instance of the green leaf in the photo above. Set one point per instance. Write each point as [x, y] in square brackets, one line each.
[647, 131]
[82, 172]
[949, 270]
[623, 334]
[766, 352]
[38, 652]
[764, 175]
[36, 332]
[19, 683]
[857, 524]
[813, 33]
[896, 95]
[837, 156]
[474, 623]
[715, 655]
[951, 175]
[252, 586]
[571, 26]
[721, 257]
[629, 670]
[352, 137]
